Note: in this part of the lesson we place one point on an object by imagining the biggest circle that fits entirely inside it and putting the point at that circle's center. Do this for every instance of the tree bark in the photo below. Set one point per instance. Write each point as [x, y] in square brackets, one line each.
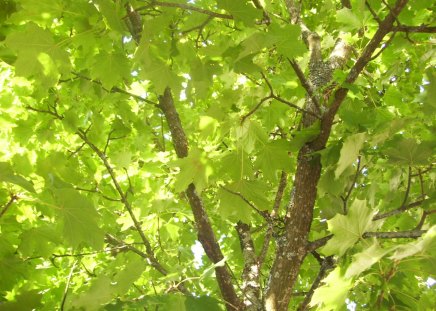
[205, 233]
[292, 247]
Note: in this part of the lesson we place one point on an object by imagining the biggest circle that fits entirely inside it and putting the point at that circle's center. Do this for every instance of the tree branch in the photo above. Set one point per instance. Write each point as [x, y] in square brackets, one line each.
[117, 90]
[306, 84]
[273, 217]
[250, 275]
[150, 253]
[395, 235]
[4, 208]
[205, 233]
[424, 216]
[186, 7]
[385, 27]
[255, 108]
[263, 214]
[67, 286]
[347, 196]
[312, 246]
[415, 29]
[327, 264]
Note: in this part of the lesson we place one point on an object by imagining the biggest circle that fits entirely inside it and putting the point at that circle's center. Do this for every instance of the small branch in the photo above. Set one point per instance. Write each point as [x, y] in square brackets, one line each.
[347, 196]
[98, 192]
[421, 172]
[200, 27]
[295, 106]
[416, 29]
[398, 210]
[117, 90]
[186, 7]
[384, 46]
[48, 111]
[263, 214]
[13, 198]
[373, 13]
[273, 216]
[327, 264]
[255, 108]
[67, 286]
[123, 197]
[412, 234]
[312, 246]
[310, 89]
[404, 206]
[278, 98]
[424, 216]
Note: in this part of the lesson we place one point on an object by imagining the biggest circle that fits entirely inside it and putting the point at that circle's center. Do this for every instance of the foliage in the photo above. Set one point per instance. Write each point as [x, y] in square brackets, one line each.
[102, 208]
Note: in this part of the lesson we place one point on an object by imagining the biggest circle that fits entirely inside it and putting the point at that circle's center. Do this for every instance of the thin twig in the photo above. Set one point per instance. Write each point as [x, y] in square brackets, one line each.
[255, 108]
[395, 235]
[200, 27]
[117, 90]
[399, 210]
[347, 196]
[273, 216]
[373, 13]
[424, 216]
[384, 46]
[125, 201]
[67, 286]
[327, 264]
[264, 214]
[278, 98]
[96, 191]
[404, 206]
[53, 113]
[4, 208]
[415, 29]
[312, 246]
[185, 7]
[306, 84]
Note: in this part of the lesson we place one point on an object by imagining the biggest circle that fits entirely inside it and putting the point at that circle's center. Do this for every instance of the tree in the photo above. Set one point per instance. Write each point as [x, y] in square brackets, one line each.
[196, 155]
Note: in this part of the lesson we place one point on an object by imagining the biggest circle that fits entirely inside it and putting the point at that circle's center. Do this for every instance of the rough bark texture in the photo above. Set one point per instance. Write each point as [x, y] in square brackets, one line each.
[250, 275]
[292, 248]
[205, 232]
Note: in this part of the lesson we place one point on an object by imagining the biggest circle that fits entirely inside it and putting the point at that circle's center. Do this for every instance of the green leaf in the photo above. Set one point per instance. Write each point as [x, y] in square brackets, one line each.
[241, 11]
[202, 303]
[426, 243]
[37, 53]
[79, 219]
[113, 12]
[193, 169]
[408, 151]
[272, 157]
[110, 68]
[287, 39]
[232, 207]
[305, 135]
[38, 241]
[348, 19]
[250, 134]
[7, 175]
[100, 293]
[365, 259]
[348, 229]
[25, 301]
[349, 152]
[331, 296]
